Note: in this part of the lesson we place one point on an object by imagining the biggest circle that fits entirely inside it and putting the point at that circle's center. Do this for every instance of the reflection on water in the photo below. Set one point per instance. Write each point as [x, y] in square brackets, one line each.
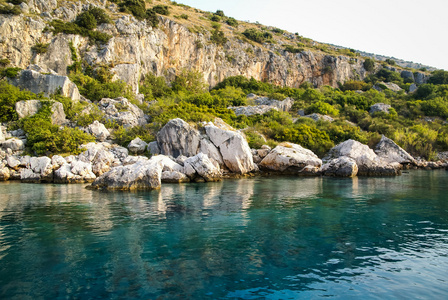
[275, 238]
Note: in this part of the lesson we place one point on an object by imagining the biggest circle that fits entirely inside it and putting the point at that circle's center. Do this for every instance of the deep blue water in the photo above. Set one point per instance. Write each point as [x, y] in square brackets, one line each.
[262, 238]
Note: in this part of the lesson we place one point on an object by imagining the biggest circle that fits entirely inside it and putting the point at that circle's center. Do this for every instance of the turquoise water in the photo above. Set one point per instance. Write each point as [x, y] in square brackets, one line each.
[277, 238]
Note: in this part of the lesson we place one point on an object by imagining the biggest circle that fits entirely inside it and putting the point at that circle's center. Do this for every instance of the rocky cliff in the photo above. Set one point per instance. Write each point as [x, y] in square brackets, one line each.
[136, 49]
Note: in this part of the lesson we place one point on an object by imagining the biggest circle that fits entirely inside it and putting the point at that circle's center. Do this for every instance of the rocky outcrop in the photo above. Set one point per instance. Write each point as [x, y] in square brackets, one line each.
[390, 152]
[264, 104]
[340, 167]
[14, 145]
[177, 138]
[387, 85]
[48, 84]
[31, 107]
[290, 158]
[284, 105]
[143, 175]
[233, 147]
[137, 49]
[369, 164]
[251, 110]
[122, 112]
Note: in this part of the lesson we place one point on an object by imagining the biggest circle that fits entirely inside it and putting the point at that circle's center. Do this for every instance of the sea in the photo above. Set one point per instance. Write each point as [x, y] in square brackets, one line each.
[255, 238]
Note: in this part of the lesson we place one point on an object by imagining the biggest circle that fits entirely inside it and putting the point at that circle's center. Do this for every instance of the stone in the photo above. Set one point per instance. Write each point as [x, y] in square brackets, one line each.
[5, 174]
[122, 112]
[14, 144]
[380, 107]
[407, 75]
[143, 175]
[233, 147]
[390, 152]
[174, 177]
[284, 105]
[99, 131]
[74, 172]
[289, 158]
[177, 137]
[340, 167]
[316, 117]
[129, 73]
[204, 167]
[412, 88]
[28, 176]
[2, 133]
[137, 146]
[31, 107]
[420, 78]
[207, 147]
[153, 148]
[369, 164]
[13, 162]
[251, 110]
[168, 164]
[48, 84]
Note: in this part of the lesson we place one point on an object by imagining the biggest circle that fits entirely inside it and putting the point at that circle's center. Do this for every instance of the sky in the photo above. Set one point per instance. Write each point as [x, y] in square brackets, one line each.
[413, 30]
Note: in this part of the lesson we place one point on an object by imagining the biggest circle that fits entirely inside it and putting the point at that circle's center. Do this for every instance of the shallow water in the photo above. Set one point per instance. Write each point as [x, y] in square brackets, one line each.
[262, 238]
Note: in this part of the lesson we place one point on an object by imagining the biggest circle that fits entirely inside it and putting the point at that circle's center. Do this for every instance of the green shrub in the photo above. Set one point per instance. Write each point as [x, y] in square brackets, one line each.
[10, 72]
[9, 95]
[162, 10]
[123, 136]
[40, 48]
[258, 36]
[220, 13]
[154, 87]
[189, 82]
[292, 49]
[152, 18]
[86, 20]
[321, 107]
[6, 10]
[215, 18]
[135, 7]
[232, 22]
[218, 37]
[369, 64]
[439, 77]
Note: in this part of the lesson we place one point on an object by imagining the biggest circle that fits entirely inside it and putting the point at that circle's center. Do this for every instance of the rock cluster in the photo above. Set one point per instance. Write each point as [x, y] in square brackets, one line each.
[205, 152]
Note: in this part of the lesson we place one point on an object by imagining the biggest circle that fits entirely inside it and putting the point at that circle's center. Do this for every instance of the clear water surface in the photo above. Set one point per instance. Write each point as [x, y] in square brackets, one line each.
[261, 238]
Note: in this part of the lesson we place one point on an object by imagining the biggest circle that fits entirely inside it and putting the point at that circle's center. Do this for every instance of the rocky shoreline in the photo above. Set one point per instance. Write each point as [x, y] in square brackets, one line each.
[200, 153]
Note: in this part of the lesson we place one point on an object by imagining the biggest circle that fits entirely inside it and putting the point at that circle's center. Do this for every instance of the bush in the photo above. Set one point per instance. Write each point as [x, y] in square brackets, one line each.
[232, 22]
[258, 36]
[439, 77]
[162, 10]
[135, 7]
[123, 136]
[369, 64]
[152, 18]
[218, 37]
[9, 95]
[40, 48]
[10, 72]
[6, 10]
[220, 13]
[154, 87]
[190, 82]
[321, 107]
[86, 20]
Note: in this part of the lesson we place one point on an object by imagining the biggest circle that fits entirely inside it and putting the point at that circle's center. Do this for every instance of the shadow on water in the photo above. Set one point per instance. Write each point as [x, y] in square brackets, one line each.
[246, 239]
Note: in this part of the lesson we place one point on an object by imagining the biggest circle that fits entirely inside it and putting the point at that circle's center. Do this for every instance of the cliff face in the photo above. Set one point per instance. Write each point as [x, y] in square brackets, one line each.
[137, 49]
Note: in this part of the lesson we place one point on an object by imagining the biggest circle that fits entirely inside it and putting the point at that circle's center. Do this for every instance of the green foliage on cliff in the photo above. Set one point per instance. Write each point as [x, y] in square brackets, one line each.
[258, 35]
[9, 96]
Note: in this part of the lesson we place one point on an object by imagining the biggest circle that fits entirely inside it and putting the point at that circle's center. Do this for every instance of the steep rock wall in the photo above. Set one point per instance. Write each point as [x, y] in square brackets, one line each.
[137, 49]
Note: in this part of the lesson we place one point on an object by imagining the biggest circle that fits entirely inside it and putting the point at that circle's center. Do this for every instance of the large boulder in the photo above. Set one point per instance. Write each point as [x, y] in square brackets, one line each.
[369, 164]
[137, 146]
[31, 107]
[14, 144]
[204, 167]
[74, 172]
[102, 157]
[390, 152]
[143, 175]
[177, 138]
[284, 105]
[290, 158]
[340, 167]
[233, 147]
[98, 130]
[122, 112]
[251, 110]
[48, 84]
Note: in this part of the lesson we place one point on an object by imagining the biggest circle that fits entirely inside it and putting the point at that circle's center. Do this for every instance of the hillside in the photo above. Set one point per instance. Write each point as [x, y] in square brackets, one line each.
[174, 61]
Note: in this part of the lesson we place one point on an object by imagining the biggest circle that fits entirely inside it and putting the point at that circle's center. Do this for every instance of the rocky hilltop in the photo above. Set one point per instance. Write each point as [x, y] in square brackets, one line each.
[136, 48]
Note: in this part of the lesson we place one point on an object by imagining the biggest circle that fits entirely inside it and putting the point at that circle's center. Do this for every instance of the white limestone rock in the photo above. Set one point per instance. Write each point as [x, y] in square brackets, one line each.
[174, 177]
[141, 175]
[369, 164]
[288, 157]
[31, 107]
[137, 146]
[14, 144]
[390, 152]
[233, 147]
[99, 131]
[122, 112]
[340, 167]
[204, 167]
